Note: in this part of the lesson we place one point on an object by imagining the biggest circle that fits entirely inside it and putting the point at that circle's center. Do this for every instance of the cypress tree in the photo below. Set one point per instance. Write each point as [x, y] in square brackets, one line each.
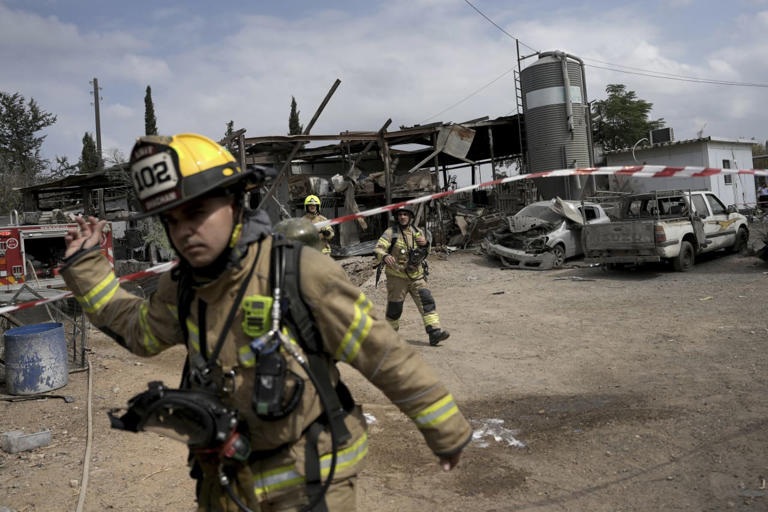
[150, 121]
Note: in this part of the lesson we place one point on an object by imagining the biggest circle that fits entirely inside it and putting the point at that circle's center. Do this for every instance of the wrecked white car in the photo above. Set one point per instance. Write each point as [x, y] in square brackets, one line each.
[543, 235]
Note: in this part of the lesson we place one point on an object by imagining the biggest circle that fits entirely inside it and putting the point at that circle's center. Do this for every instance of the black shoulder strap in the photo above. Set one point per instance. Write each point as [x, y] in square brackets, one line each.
[299, 317]
[293, 307]
[184, 296]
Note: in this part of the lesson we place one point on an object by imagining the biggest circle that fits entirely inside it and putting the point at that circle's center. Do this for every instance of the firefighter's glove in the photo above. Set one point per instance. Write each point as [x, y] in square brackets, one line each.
[450, 462]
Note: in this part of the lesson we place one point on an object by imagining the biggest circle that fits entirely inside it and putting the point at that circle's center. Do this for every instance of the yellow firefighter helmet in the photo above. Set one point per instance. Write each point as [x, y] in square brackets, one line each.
[168, 171]
[312, 199]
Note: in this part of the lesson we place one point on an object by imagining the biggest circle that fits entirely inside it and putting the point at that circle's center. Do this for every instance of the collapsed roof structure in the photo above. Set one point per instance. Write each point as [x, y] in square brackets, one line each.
[362, 170]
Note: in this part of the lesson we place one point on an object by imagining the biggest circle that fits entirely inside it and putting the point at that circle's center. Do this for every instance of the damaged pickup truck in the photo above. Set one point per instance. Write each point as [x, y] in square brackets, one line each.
[666, 225]
[543, 235]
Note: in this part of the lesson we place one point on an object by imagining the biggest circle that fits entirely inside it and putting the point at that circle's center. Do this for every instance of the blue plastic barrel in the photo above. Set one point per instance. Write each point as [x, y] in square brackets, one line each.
[35, 358]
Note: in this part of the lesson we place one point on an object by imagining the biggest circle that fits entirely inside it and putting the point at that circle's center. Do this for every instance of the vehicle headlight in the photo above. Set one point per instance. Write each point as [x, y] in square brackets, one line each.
[538, 244]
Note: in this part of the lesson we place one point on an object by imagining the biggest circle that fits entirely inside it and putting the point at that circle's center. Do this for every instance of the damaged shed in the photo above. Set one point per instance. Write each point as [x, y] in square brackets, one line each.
[357, 171]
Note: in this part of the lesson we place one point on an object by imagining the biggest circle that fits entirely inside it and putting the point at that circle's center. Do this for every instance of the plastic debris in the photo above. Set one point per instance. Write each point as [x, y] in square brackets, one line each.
[494, 428]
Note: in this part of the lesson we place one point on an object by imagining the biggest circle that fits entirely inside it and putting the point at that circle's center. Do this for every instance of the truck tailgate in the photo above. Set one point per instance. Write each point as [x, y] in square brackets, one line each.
[621, 241]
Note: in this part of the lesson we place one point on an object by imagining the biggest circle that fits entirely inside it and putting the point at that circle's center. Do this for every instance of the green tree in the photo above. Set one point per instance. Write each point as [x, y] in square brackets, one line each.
[62, 168]
[20, 143]
[621, 119]
[229, 137]
[89, 157]
[150, 121]
[294, 126]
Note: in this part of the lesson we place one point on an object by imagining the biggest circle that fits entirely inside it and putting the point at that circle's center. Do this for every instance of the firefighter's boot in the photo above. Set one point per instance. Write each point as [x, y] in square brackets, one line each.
[437, 335]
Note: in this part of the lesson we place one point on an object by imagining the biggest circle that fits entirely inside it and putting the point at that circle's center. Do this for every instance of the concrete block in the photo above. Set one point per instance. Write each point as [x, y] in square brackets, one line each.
[16, 441]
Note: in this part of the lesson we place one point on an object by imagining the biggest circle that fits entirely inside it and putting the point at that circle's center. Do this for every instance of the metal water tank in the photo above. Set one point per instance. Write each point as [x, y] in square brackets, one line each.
[556, 114]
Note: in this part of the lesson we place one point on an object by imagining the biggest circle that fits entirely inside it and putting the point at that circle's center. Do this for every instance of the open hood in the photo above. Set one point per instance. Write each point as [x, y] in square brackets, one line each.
[524, 223]
[569, 210]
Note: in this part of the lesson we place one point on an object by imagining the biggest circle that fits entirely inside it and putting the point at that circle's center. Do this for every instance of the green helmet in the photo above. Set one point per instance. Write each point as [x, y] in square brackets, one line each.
[301, 230]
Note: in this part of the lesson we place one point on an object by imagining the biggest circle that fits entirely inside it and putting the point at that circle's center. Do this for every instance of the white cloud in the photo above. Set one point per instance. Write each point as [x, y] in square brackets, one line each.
[405, 60]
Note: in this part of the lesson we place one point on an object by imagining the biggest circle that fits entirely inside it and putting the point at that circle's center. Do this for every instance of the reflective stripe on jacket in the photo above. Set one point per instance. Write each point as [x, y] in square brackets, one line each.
[352, 329]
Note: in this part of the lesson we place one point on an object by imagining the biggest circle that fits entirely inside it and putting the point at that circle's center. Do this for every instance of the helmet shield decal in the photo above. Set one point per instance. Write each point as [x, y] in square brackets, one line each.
[155, 175]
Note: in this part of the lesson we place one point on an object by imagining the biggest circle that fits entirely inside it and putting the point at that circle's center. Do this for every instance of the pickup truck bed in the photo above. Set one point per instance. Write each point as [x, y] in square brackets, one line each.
[629, 241]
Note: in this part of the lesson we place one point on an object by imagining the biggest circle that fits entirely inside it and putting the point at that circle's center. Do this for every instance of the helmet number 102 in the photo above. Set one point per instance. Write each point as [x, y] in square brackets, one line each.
[153, 175]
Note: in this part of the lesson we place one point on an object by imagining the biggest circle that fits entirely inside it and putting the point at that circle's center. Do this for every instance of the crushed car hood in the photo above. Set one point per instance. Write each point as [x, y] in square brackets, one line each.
[522, 224]
[569, 210]
[525, 223]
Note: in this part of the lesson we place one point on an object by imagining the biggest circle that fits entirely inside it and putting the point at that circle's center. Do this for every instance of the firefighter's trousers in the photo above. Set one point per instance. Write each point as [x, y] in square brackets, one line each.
[398, 288]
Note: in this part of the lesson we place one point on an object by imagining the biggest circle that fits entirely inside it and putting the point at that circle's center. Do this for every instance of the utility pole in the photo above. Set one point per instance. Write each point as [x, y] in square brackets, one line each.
[96, 99]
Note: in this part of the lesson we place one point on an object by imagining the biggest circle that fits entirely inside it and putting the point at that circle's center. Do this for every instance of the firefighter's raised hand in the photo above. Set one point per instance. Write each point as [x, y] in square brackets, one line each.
[421, 241]
[85, 236]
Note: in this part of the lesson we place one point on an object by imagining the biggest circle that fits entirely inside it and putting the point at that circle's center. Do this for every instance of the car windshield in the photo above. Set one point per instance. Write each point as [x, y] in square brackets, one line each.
[540, 211]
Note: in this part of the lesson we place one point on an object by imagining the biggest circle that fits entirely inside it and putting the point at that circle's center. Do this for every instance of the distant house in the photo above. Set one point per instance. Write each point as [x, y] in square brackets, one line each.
[713, 152]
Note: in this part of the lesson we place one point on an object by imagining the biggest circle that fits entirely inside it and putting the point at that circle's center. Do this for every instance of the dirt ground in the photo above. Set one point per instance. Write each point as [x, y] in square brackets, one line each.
[589, 390]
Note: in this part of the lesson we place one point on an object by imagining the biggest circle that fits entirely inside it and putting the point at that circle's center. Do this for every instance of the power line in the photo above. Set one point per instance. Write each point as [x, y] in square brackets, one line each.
[470, 95]
[608, 67]
[481, 13]
[680, 78]
[637, 71]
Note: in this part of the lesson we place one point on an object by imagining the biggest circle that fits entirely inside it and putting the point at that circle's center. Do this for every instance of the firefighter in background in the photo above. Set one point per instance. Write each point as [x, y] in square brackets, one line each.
[226, 254]
[403, 250]
[312, 213]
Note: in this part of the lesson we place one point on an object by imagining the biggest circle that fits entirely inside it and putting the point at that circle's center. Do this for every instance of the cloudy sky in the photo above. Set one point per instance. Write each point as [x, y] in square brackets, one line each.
[701, 63]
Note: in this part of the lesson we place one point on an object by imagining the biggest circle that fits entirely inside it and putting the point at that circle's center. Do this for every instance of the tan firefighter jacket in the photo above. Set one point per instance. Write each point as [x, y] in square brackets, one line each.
[405, 242]
[326, 233]
[353, 331]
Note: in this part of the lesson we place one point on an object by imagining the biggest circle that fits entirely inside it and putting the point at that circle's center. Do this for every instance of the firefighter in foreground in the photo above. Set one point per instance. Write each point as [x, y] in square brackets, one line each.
[403, 250]
[269, 424]
[312, 213]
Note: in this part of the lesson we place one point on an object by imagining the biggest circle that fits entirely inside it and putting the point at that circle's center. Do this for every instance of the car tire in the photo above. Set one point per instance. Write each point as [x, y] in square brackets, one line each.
[742, 238]
[558, 252]
[685, 260]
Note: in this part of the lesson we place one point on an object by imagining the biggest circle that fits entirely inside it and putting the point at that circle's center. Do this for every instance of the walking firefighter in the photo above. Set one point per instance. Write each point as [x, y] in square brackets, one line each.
[402, 250]
[265, 321]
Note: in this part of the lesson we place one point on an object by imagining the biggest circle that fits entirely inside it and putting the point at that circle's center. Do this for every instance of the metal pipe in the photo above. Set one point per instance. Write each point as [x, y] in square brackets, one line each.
[567, 92]
[635, 145]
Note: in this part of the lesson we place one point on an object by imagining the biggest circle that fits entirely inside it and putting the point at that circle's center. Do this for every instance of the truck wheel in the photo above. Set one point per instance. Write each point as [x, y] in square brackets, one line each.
[684, 260]
[742, 238]
[558, 252]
